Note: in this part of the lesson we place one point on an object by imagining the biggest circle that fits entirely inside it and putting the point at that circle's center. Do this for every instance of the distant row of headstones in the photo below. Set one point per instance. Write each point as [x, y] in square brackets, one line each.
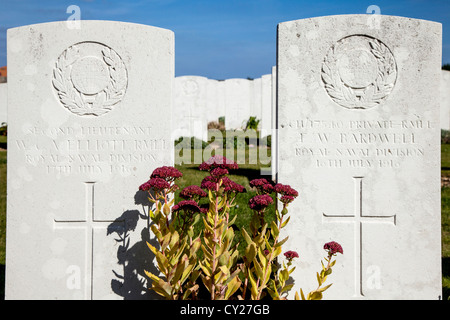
[445, 99]
[199, 101]
[357, 134]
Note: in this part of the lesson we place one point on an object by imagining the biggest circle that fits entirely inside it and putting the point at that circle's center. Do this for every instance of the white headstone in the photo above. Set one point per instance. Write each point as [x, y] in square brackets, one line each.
[190, 100]
[88, 129]
[274, 142]
[3, 102]
[266, 105]
[445, 99]
[359, 139]
[215, 102]
[199, 100]
[238, 99]
[256, 102]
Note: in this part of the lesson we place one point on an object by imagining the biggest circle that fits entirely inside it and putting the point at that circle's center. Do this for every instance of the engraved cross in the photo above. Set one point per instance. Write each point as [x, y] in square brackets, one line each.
[90, 223]
[358, 218]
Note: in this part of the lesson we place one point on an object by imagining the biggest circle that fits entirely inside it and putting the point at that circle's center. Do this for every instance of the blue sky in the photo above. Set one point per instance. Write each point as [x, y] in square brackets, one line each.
[217, 39]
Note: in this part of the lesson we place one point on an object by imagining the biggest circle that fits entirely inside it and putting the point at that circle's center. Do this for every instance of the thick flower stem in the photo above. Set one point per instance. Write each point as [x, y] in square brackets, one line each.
[244, 291]
[269, 261]
[214, 260]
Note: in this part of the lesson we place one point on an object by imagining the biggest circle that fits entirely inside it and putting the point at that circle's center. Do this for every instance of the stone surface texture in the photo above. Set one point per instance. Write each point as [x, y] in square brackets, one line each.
[359, 139]
[89, 120]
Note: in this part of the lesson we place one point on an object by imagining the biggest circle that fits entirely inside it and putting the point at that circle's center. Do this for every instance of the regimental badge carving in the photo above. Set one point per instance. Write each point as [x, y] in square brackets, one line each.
[90, 78]
[190, 87]
[359, 72]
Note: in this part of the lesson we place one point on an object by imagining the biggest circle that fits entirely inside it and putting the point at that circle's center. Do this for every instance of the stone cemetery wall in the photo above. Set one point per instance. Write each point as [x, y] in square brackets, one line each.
[445, 99]
[87, 131]
[3, 102]
[359, 133]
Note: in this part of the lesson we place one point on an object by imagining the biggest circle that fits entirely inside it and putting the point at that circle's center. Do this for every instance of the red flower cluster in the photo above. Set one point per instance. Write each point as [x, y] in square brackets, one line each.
[218, 162]
[333, 248]
[209, 183]
[231, 186]
[155, 183]
[191, 192]
[186, 205]
[260, 202]
[286, 199]
[262, 185]
[285, 190]
[291, 255]
[166, 173]
[218, 172]
[161, 178]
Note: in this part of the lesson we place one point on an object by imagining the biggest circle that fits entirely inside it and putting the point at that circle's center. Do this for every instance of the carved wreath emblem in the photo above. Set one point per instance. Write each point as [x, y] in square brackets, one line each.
[90, 78]
[359, 72]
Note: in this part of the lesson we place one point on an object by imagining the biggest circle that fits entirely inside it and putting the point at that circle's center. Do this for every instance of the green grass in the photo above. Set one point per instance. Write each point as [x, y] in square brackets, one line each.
[2, 221]
[445, 160]
[445, 218]
[245, 173]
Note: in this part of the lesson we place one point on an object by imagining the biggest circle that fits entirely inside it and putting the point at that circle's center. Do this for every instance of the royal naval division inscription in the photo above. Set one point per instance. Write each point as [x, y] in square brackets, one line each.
[359, 72]
[89, 78]
[105, 150]
[355, 143]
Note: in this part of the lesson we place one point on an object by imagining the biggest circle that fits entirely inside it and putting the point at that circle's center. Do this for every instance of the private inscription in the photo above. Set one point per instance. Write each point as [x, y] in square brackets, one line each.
[359, 144]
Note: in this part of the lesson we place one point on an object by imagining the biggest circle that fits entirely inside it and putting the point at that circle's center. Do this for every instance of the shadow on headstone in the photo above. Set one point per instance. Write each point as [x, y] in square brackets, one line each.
[133, 284]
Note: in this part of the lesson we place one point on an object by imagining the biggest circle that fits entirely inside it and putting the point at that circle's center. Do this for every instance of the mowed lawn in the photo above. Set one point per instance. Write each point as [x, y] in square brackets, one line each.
[2, 221]
[445, 218]
[247, 172]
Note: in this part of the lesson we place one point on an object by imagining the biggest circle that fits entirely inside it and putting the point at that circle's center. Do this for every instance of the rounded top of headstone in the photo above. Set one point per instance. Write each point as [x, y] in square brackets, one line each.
[91, 23]
[362, 16]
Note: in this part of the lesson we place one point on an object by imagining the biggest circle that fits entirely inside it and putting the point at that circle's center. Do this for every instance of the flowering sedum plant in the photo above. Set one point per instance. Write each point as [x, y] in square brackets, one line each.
[194, 261]
[332, 248]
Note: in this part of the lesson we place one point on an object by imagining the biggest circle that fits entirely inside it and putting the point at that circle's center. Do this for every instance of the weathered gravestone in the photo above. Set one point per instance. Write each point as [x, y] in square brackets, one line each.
[89, 128]
[256, 100]
[190, 101]
[266, 105]
[238, 102]
[274, 131]
[359, 134]
[215, 100]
